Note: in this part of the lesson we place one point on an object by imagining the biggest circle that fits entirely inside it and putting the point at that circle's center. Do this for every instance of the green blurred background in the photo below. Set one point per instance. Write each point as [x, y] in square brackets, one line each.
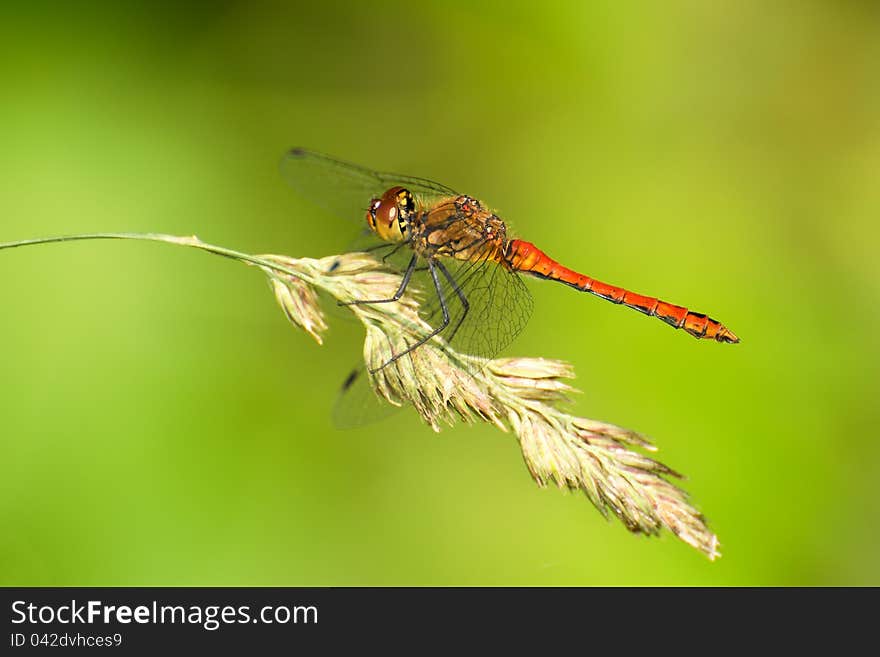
[163, 424]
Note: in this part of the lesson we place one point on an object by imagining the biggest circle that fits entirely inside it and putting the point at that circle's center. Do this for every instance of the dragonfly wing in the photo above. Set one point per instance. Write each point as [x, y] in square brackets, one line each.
[345, 189]
[488, 305]
[357, 404]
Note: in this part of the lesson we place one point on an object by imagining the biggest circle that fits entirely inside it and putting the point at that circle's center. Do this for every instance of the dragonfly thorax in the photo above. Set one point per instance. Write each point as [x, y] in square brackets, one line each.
[390, 215]
[459, 228]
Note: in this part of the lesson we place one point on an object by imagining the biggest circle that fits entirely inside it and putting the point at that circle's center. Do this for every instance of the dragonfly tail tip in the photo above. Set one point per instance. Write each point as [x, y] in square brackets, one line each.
[727, 336]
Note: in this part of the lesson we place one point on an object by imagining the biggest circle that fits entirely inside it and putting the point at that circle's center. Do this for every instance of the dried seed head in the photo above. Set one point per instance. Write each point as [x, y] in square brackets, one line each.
[522, 394]
[300, 303]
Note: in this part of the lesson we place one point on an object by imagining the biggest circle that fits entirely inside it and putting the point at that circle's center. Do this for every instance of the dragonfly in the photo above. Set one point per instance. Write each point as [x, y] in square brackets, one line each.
[459, 252]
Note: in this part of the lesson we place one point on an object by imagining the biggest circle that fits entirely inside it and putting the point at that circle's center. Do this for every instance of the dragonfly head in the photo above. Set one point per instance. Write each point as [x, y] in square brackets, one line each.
[389, 216]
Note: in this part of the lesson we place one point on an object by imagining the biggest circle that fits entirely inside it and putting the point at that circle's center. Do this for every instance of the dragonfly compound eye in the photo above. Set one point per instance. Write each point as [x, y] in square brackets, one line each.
[390, 215]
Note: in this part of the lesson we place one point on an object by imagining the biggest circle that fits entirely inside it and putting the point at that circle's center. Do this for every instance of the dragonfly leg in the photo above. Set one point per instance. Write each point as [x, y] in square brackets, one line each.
[379, 247]
[396, 248]
[430, 335]
[461, 297]
[406, 278]
[369, 249]
[376, 247]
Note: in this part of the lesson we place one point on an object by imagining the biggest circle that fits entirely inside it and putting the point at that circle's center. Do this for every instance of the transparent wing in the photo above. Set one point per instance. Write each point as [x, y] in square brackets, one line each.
[488, 305]
[345, 189]
[356, 403]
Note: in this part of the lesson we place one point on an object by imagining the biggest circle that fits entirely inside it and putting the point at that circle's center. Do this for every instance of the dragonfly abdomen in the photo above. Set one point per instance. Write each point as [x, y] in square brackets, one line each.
[527, 258]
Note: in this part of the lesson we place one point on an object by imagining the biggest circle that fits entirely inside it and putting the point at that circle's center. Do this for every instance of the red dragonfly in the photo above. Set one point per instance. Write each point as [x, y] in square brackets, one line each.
[460, 253]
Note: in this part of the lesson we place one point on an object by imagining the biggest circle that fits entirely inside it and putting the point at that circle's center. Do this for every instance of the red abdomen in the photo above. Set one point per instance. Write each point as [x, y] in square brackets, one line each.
[527, 258]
